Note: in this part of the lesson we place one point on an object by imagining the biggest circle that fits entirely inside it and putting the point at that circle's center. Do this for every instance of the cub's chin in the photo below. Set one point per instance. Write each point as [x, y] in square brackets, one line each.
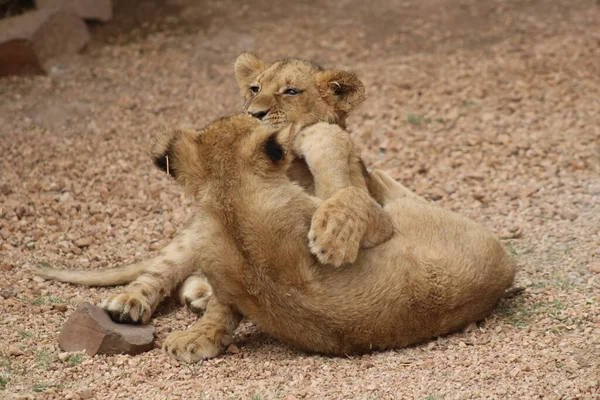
[275, 124]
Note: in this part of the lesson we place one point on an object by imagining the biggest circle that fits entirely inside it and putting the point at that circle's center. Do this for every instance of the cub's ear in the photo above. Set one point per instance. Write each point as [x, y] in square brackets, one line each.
[247, 67]
[278, 144]
[345, 88]
[161, 152]
[174, 150]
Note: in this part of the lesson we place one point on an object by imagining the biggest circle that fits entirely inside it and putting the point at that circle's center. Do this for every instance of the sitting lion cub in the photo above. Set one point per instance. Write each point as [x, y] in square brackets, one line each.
[437, 273]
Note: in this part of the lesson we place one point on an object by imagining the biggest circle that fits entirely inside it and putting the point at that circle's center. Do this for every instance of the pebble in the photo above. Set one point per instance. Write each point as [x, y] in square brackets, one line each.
[6, 267]
[513, 232]
[5, 189]
[472, 327]
[14, 351]
[86, 393]
[595, 268]
[64, 197]
[233, 349]
[75, 250]
[7, 293]
[83, 242]
[60, 307]
[571, 215]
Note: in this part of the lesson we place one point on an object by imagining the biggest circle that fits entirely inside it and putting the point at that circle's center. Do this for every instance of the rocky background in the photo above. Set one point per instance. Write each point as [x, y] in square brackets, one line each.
[488, 108]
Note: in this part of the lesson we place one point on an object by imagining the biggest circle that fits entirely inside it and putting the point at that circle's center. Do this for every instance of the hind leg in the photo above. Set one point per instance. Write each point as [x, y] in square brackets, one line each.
[386, 189]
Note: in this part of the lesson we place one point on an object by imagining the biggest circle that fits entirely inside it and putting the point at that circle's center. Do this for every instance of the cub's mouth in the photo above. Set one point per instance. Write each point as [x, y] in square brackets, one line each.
[274, 120]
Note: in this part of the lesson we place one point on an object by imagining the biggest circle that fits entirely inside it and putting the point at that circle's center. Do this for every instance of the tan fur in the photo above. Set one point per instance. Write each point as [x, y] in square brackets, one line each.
[327, 95]
[436, 274]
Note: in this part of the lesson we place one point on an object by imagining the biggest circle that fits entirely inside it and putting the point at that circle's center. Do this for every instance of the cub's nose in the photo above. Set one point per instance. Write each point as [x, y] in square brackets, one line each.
[259, 114]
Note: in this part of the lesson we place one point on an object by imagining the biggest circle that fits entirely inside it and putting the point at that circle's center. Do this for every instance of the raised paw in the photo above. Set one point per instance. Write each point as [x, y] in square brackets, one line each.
[335, 233]
[195, 293]
[127, 308]
[192, 346]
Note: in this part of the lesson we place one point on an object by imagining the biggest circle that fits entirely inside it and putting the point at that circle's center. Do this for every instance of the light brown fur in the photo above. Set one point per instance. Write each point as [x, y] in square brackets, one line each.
[436, 274]
[324, 95]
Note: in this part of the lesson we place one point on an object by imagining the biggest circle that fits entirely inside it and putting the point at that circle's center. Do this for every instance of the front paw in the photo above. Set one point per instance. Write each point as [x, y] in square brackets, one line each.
[335, 233]
[127, 308]
[192, 346]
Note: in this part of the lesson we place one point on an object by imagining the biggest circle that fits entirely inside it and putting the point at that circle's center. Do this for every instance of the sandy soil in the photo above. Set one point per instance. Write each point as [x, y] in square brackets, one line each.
[490, 108]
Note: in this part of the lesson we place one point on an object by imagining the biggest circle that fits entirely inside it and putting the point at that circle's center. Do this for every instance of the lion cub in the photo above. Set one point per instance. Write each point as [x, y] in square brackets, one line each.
[437, 273]
[277, 93]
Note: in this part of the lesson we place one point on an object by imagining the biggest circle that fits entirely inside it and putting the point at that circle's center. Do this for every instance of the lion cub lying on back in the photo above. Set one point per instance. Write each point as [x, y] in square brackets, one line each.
[436, 274]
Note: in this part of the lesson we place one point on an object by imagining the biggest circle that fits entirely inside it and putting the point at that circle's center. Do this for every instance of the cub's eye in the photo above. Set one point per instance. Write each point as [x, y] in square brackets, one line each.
[254, 89]
[291, 92]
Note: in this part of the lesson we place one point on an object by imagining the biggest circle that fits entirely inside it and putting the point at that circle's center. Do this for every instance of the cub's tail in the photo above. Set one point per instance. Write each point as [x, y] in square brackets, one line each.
[96, 277]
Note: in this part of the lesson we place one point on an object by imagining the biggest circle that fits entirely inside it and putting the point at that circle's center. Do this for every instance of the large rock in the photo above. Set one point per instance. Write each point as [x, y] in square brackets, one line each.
[27, 41]
[99, 10]
[90, 328]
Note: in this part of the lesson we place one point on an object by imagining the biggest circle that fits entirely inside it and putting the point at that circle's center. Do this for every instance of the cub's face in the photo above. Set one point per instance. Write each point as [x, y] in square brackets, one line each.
[296, 91]
[222, 154]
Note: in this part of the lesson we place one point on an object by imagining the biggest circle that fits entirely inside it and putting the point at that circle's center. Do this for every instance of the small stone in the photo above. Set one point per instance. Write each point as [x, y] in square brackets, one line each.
[512, 232]
[14, 351]
[104, 193]
[472, 327]
[5, 189]
[157, 245]
[86, 394]
[63, 356]
[595, 268]
[126, 102]
[480, 197]
[450, 188]
[64, 197]
[66, 164]
[6, 267]
[83, 242]
[436, 194]
[60, 307]
[529, 191]
[168, 230]
[233, 349]
[75, 250]
[571, 215]
[7, 293]
[90, 328]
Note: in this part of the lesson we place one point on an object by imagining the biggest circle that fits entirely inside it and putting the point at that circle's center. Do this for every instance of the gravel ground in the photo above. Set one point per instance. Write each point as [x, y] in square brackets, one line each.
[490, 108]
